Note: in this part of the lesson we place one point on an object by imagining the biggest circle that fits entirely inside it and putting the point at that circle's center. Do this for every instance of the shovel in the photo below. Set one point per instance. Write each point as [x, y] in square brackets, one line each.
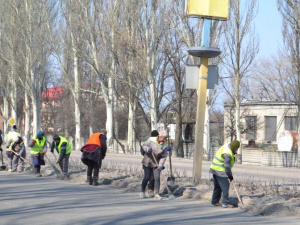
[237, 194]
[3, 167]
[170, 180]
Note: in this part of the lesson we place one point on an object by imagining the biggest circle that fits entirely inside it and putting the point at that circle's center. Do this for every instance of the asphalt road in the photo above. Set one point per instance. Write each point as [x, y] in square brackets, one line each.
[26, 199]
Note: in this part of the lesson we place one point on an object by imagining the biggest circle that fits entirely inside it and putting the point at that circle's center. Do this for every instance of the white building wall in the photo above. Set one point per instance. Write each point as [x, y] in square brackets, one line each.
[261, 110]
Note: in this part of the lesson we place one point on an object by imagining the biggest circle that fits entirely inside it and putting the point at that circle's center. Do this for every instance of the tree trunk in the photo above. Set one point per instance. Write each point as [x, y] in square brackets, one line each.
[5, 115]
[76, 95]
[36, 111]
[27, 120]
[206, 134]
[131, 125]
[110, 112]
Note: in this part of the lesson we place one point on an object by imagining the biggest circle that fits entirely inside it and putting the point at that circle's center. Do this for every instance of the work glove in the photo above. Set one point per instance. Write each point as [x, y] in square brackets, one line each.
[149, 150]
[103, 156]
[52, 151]
[169, 149]
[33, 142]
[160, 168]
[43, 152]
[230, 178]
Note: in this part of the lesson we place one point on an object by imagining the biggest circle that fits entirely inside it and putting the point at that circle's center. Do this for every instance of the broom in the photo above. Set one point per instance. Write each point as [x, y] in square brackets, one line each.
[58, 166]
[56, 170]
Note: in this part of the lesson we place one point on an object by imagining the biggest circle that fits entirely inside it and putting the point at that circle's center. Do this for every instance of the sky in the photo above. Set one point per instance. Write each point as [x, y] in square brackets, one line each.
[268, 28]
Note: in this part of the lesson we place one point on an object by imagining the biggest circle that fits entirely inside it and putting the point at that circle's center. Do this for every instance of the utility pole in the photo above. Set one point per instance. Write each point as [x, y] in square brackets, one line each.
[204, 52]
[208, 10]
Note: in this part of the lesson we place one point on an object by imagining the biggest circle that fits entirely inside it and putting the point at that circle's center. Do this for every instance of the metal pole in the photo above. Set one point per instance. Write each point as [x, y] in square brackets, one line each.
[202, 85]
[201, 104]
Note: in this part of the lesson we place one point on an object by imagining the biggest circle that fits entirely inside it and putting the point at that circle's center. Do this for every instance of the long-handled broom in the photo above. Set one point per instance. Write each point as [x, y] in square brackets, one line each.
[56, 170]
[58, 166]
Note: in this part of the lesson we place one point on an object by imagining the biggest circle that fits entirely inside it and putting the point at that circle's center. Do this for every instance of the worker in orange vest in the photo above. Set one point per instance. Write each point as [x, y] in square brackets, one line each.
[93, 152]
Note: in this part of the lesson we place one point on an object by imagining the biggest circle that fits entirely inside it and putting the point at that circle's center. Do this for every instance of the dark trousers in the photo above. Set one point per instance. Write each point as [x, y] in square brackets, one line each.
[154, 181]
[221, 184]
[37, 168]
[151, 182]
[93, 167]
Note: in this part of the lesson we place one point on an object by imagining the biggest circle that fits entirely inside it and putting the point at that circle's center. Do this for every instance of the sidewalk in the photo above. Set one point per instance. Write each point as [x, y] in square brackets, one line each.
[26, 199]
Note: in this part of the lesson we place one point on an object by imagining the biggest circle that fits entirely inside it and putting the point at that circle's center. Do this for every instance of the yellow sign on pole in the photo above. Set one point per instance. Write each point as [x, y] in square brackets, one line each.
[11, 121]
[214, 9]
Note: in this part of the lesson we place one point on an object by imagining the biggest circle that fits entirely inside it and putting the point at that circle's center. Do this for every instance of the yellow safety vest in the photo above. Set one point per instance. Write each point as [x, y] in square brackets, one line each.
[218, 161]
[62, 139]
[38, 147]
[11, 145]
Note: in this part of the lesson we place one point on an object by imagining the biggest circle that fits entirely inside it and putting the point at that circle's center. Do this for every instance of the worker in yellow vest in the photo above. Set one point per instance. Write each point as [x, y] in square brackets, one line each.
[64, 150]
[221, 169]
[13, 152]
[93, 152]
[13, 134]
[38, 147]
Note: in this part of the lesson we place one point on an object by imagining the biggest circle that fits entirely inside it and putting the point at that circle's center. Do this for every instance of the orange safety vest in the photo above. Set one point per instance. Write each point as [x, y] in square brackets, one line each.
[95, 139]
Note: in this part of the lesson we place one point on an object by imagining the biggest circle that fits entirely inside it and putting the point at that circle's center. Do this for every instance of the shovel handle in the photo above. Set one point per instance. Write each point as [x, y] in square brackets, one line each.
[54, 156]
[154, 159]
[170, 161]
[19, 156]
[237, 194]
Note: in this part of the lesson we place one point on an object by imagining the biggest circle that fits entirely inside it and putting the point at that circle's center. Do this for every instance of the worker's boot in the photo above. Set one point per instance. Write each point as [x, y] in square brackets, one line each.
[150, 193]
[90, 180]
[95, 181]
[38, 172]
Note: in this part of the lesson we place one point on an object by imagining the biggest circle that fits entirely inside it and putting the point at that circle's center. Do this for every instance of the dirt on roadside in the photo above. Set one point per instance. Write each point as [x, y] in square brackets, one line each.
[260, 199]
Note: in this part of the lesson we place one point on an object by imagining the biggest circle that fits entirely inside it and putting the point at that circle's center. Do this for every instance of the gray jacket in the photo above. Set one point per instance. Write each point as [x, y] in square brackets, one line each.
[158, 151]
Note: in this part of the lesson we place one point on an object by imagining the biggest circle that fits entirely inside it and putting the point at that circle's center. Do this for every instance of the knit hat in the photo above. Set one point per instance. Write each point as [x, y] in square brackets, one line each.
[234, 145]
[39, 134]
[55, 137]
[154, 133]
[163, 134]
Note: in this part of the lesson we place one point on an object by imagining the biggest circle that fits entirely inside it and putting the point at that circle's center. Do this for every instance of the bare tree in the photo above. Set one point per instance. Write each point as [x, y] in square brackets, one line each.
[240, 48]
[290, 11]
[274, 79]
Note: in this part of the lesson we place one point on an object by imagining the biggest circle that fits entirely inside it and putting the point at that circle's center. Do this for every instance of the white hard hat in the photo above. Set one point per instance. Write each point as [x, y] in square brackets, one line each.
[16, 139]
